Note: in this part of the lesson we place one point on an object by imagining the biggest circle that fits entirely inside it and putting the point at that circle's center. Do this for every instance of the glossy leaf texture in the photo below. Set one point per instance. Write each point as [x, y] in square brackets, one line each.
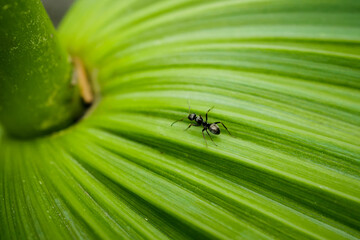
[283, 76]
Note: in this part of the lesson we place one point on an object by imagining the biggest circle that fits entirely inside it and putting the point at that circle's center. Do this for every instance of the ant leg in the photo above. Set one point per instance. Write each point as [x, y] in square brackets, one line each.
[204, 136]
[191, 124]
[178, 120]
[210, 137]
[208, 111]
[224, 127]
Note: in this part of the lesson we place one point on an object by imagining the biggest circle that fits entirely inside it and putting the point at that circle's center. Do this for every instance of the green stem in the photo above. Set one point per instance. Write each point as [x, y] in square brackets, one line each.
[36, 93]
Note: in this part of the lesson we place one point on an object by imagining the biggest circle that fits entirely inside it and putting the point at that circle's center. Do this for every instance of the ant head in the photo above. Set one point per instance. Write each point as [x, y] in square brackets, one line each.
[199, 120]
[192, 116]
[214, 129]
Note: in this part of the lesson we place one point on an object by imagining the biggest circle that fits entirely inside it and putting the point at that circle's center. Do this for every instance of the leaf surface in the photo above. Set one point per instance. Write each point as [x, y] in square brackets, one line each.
[283, 76]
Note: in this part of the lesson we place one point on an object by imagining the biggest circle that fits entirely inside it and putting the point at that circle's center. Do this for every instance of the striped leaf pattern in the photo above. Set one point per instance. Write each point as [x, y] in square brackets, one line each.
[283, 76]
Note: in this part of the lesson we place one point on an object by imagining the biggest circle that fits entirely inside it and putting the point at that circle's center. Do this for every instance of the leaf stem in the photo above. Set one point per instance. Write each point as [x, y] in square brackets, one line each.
[36, 93]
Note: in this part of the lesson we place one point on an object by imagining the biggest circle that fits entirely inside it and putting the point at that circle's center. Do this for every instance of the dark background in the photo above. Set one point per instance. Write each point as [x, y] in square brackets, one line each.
[56, 9]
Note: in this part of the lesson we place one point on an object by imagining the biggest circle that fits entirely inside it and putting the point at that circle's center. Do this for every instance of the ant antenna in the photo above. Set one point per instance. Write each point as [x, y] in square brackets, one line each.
[183, 117]
[189, 105]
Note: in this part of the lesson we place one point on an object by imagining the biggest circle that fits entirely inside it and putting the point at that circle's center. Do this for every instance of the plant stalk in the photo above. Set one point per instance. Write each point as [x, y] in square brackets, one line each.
[37, 95]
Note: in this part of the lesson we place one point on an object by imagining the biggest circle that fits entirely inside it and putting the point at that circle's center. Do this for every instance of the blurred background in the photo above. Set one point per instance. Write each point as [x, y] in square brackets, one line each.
[56, 9]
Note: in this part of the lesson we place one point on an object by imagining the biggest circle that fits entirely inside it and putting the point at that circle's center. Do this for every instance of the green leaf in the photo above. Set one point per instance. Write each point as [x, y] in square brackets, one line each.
[283, 76]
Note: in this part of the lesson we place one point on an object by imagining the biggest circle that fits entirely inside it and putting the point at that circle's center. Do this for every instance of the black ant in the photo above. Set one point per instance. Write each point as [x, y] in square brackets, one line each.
[213, 127]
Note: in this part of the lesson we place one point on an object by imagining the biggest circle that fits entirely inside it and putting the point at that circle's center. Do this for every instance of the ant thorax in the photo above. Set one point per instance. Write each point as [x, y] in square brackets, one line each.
[199, 120]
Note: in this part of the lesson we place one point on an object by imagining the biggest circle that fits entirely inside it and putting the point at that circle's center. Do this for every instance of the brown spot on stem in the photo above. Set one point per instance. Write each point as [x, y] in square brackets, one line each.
[84, 82]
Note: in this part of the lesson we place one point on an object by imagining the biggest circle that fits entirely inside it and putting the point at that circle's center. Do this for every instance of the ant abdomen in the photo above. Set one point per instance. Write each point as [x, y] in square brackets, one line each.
[214, 129]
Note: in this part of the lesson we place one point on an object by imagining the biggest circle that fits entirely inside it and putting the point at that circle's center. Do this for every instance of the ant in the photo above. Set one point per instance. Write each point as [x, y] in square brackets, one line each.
[213, 127]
